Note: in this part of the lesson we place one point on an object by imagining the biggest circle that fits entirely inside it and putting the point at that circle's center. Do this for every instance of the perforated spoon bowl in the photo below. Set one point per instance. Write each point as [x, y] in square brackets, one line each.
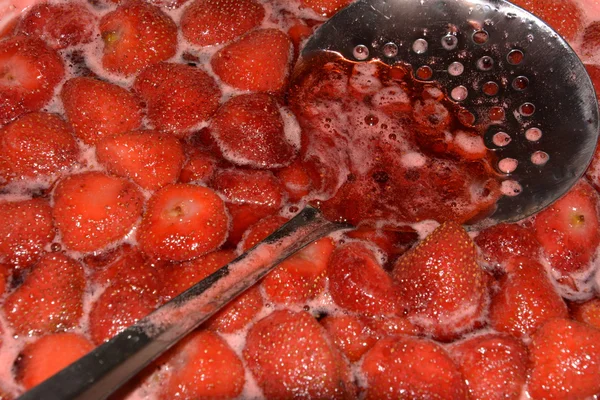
[485, 53]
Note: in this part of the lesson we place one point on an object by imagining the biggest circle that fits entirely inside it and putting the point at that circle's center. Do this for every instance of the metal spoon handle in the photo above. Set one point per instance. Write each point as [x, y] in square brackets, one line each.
[109, 366]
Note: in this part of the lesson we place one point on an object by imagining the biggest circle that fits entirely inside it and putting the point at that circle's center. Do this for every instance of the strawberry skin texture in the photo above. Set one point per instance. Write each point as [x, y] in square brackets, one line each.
[258, 61]
[564, 16]
[565, 358]
[135, 35]
[50, 299]
[440, 283]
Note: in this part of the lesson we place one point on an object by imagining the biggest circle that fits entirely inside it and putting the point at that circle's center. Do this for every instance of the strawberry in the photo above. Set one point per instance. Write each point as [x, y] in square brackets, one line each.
[440, 283]
[260, 230]
[358, 283]
[26, 230]
[4, 279]
[591, 40]
[46, 356]
[393, 243]
[565, 361]
[179, 97]
[179, 278]
[588, 312]
[150, 159]
[50, 299]
[199, 167]
[258, 61]
[203, 366]
[59, 25]
[249, 130]
[250, 196]
[526, 299]
[93, 210]
[122, 304]
[405, 367]
[29, 73]
[298, 33]
[501, 242]
[564, 16]
[569, 230]
[350, 334]
[301, 277]
[182, 222]
[126, 263]
[97, 109]
[295, 180]
[212, 22]
[290, 355]
[238, 314]
[325, 8]
[494, 366]
[135, 35]
[36, 145]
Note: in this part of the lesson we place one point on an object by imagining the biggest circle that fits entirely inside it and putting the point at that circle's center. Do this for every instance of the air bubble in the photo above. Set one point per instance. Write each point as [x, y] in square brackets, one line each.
[390, 50]
[361, 52]
[515, 57]
[533, 134]
[502, 139]
[459, 93]
[511, 188]
[490, 88]
[456, 69]
[540, 158]
[424, 73]
[481, 37]
[485, 63]
[371, 120]
[527, 109]
[420, 46]
[520, 83]
[508, 165]
[449, 42]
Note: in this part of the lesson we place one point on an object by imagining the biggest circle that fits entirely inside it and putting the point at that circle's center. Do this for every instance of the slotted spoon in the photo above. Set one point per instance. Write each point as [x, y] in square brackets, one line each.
[485, 53]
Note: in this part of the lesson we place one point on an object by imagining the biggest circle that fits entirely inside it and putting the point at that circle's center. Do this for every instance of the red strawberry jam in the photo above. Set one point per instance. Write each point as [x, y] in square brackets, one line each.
[146, 143]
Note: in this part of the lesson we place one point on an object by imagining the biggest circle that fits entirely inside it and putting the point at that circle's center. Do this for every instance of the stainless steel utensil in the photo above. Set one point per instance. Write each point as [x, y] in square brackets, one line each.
[486, 53]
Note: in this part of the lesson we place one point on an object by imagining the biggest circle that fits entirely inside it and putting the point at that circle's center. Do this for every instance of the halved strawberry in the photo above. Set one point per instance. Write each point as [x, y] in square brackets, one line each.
[261, 230]
[440, 283]
[501, 242]
[295, 180]
[569, 230]
[591, 40]
[588, 312]
[59, 25]
[182, 222]
[97, 109]
[203, 366]
[526, 299]
[358, 283]
[406, 367]
[250, 130]
[212, 22]
[564, 16]
[179, 97]
[351, 334]
[299, 32]
[239, 313]
[93, 210]
[565, 361]
[290, 355]
[122, 304]
[29, 73]
[258, 61]
[36, 145]
[326, 8]
[5, 275]
[26, 229]
[199, 167]
[251, 195]
[50, 299]
[149, 158]
[301, 277]
[126, 263]
[135, 35]
[46, 356]
[494, 366]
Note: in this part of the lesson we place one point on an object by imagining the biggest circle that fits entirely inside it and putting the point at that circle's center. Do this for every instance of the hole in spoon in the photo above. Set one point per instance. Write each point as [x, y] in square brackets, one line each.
[459, 93]
[515, 57]
[511, 188]
[508, 165]
[449, 42]
[481, 37]
[361, 52]
[424, 73]
[456, 69]
[485, 63]
[527, 109]
[533, 134]
[420, 46]
[490, 88]
[502, 139]
[520, 83]
[390, 50]
[540, 158]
